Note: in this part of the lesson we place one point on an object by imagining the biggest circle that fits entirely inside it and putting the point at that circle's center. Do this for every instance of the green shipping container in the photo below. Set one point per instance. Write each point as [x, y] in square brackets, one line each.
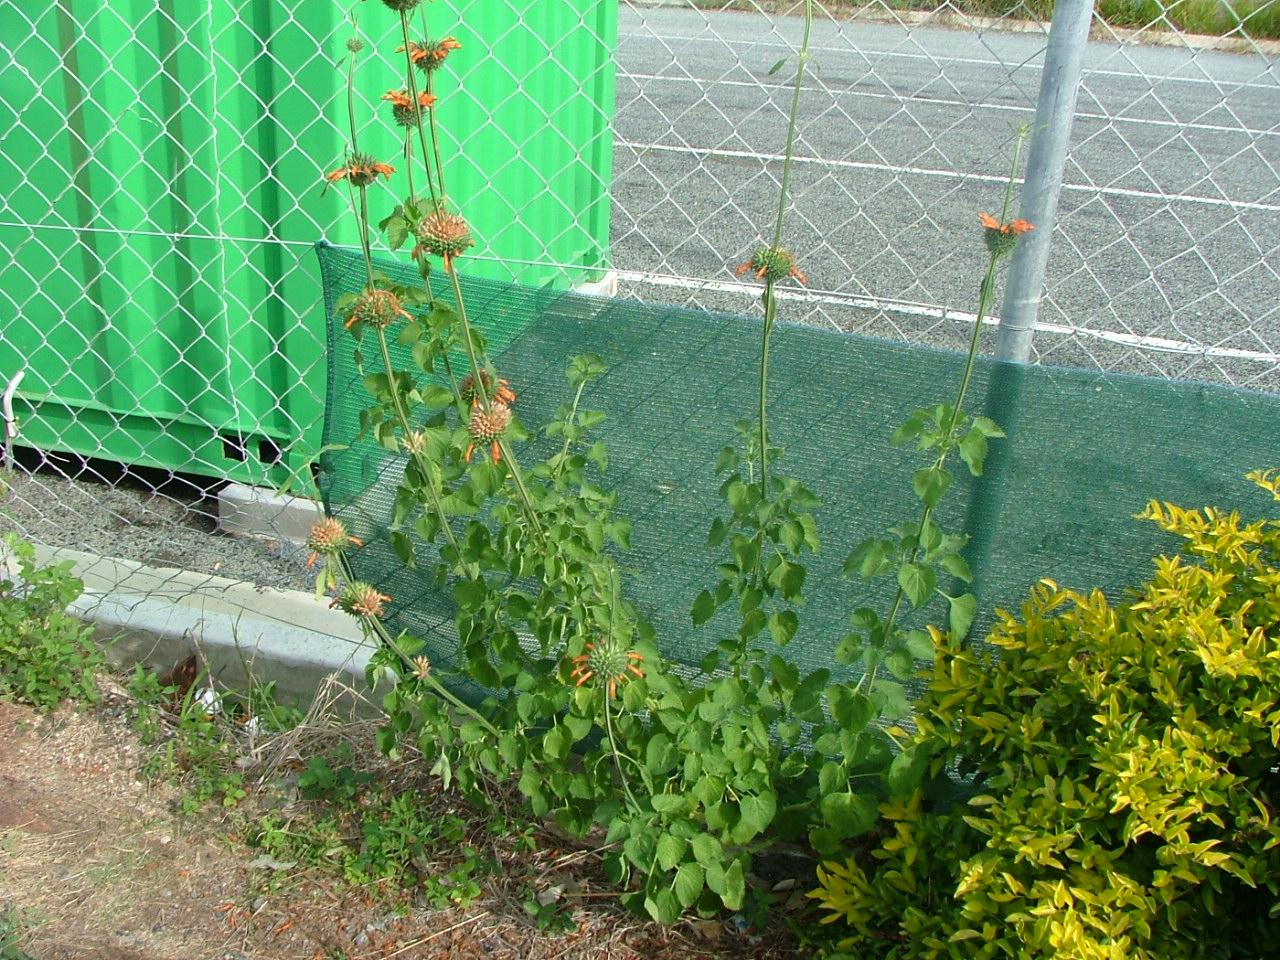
[164, 192]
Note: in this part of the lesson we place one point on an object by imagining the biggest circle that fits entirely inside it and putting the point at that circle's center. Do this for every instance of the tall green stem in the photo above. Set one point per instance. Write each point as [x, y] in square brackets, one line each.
[412, 84]
[770, 296]
[986, 296]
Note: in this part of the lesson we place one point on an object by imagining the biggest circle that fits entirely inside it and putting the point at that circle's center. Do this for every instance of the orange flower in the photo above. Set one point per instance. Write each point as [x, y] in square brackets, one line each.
[609, 662]
[772, 263]
[362, 600]
[329, 538]
[486, 426]
[446, 235]
[429, 54]
[1013, 226]
[361, 170]
[377, 308]
[503, 395]
[1002, 237]
[402, 106]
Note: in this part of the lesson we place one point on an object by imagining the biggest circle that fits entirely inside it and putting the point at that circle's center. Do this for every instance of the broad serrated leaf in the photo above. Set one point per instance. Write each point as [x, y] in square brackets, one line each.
[930, 483]
[704, 606]
[907, 770]
[688, 885]
[973, 451]
[783, 625]
[849, 814]
[869, 558]
[957, 566]
[917, 582]
[964, 609]
[920, 645]
[987, 427]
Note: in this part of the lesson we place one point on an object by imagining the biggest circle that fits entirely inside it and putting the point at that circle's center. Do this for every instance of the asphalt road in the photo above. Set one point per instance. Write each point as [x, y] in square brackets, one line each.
[1169, 221]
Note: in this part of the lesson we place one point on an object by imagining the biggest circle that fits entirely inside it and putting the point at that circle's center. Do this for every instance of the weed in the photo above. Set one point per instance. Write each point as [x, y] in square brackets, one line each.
[46, 655]
[12, 927]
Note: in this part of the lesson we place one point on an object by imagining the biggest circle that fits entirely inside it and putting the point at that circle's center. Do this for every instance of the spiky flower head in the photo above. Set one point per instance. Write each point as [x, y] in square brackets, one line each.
[362, 600]
[401, 6]
[1001, 238]
[355, 45]
[427, 55]
[772, 264]
[328, 539]
[402, 106]
[415, 443]
[361, 170]
[421, 667]
[375, 308]
[503, 394]
[609, 661]
[444, 235]
[487, 426]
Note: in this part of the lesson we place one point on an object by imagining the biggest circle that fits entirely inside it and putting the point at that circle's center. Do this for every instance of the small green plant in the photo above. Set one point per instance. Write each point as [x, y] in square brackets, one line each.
[12, 928]
[1124, 760]
[46, 655]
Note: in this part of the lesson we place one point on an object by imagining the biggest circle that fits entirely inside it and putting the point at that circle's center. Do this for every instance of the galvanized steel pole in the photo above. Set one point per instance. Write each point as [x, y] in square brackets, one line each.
[1055, 111]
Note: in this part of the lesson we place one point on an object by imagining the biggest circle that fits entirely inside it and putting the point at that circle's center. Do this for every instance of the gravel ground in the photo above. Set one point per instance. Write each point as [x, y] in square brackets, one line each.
[158, 521]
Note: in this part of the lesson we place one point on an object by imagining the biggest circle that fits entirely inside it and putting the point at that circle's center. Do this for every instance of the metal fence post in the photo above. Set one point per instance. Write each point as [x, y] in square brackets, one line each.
[1055, 111]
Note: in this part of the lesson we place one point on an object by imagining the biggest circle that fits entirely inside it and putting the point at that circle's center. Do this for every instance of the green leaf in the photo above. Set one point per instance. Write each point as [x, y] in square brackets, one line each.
[869, 558]
[778, 66]
[783, 625]
[735, 886]
[757, 813]
[907, 770]
[850, 709]
[707, 850]
[670, 804]
[917, 582]
[891, 698]
[920, 645]
[930, 483]
[704, 606]
[719, 530]
[663, 906]
[670, 850]
[788, 579]
[689, 881]
[988, 427]
[436, 397]
[849, 814]
[973, 450]
[964, 609]
[957, 566]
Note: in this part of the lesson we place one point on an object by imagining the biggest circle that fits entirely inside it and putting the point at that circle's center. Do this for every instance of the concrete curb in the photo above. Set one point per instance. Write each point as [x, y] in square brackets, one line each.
[158, 615]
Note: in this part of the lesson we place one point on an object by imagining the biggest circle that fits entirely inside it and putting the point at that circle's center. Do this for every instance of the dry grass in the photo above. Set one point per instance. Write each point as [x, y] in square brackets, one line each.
[100, 865]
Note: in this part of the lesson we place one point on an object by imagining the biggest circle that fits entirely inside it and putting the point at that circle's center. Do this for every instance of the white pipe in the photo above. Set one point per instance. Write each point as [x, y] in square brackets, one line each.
[10, 421]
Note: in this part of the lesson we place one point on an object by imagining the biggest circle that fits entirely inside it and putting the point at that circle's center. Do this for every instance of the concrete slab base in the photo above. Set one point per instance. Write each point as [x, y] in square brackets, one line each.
[159, 615]
[606, 286]
[260, 512]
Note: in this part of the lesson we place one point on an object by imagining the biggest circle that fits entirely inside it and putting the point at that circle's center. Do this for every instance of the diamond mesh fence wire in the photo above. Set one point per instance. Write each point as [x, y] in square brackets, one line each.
[160, 293]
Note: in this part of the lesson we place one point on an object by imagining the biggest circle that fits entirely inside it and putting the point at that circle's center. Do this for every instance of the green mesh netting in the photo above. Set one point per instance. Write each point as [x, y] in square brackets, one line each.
[1086, 451]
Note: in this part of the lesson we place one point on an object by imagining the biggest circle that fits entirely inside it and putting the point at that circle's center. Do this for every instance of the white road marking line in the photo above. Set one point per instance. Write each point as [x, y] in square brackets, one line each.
[948, 174]
[1159, 344]
[853, 47]
[938, 101]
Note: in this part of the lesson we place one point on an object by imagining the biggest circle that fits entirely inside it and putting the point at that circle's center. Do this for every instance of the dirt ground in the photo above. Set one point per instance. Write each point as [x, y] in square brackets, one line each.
[96, 863]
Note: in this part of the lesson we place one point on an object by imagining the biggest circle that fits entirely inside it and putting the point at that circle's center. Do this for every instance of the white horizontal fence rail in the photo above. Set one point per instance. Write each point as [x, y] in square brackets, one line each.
[1163, 260]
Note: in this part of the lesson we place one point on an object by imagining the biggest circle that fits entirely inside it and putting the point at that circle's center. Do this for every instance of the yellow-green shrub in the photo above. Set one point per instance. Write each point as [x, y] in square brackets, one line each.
[1127, 767]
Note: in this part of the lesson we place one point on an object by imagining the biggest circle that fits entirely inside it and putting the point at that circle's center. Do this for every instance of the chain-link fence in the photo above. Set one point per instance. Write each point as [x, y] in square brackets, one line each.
[165, 161]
